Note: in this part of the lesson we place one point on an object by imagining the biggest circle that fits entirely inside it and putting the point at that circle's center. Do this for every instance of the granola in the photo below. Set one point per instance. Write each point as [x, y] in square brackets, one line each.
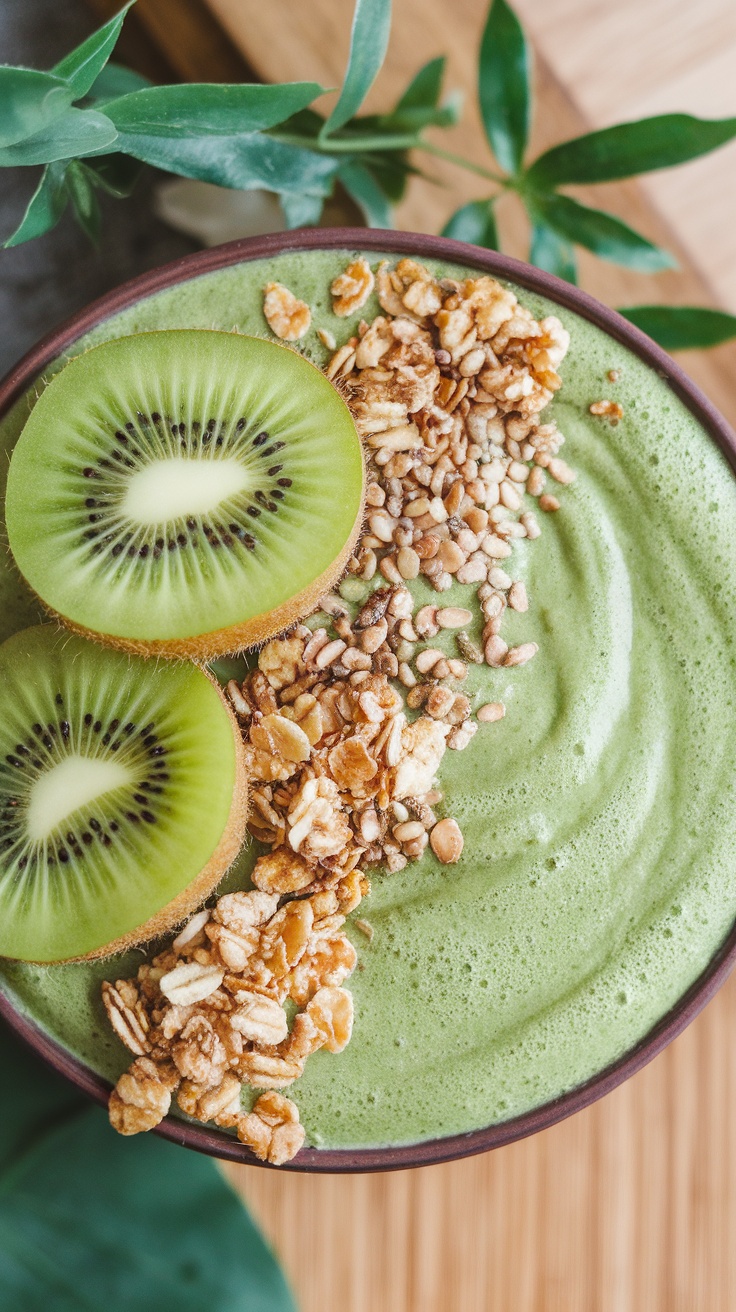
[346, 720]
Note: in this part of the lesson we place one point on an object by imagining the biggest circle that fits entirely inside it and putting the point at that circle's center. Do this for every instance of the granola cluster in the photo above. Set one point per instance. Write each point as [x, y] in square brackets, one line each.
[346, 720]
[210, 1013]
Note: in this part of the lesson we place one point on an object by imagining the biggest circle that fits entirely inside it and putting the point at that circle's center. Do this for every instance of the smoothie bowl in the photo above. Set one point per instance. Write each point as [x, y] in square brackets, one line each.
[491, 773]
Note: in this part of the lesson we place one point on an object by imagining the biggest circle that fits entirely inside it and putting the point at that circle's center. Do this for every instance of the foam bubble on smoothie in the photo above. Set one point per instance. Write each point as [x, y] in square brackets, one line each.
[597, 877]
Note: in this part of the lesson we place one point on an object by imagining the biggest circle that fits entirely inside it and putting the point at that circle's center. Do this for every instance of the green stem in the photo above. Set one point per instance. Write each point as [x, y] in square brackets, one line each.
[348, 146]
[361, 144]
[461, 162]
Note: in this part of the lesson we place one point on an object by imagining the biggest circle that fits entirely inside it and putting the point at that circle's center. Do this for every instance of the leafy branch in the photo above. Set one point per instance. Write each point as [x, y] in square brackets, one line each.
[93, 124]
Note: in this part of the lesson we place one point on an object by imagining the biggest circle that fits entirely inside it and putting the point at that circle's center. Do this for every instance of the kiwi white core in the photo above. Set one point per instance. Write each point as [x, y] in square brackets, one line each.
[73, 783]
[174, 487]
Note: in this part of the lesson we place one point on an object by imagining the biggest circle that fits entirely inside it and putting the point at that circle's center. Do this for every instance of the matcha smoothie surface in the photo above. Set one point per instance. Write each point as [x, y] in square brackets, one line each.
[597, 878]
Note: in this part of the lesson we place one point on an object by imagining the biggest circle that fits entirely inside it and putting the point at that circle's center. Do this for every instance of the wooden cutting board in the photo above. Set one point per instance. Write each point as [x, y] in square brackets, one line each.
[629, 1206]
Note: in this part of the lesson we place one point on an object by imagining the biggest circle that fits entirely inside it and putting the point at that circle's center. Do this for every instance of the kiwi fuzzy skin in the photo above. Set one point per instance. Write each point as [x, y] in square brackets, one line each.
[191, 898]
[238, 637]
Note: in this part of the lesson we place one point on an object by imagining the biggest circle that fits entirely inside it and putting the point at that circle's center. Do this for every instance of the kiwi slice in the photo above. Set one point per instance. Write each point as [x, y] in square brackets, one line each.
[122, 795]
[185, 492]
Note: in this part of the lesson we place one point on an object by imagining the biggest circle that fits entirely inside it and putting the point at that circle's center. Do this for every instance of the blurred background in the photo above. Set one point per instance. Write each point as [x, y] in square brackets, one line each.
[631, 1205]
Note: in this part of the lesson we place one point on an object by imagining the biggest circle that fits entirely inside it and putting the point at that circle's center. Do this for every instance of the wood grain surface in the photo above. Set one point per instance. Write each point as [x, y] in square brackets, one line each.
[629, 1206]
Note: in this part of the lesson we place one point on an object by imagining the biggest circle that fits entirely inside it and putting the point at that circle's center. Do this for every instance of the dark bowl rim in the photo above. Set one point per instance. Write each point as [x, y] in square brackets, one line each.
[55, 343]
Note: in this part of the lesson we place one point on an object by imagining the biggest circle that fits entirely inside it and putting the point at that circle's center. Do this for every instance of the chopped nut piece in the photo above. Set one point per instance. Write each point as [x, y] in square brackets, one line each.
[366, 928]
[282, 872]
[326, 338]
[548, 503]
[613, 411]
[280, 661]
[520, 655]
[453, 617]
[495, 651]
[446, 841]
[287, 317]
[350, 290]
[518, 599]
[490, 712]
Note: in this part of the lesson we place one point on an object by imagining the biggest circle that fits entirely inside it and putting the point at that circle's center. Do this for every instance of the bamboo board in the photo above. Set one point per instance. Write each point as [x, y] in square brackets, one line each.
[629, 1206]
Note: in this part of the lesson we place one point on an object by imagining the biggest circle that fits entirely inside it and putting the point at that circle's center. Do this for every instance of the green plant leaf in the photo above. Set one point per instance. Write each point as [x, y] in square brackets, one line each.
[80, 68]
[627, 149]
[551, 252]
[80, 183]
[91, 1220]
[368, 45]
[504, 86]
[602, 233]
[115, 174]
[425, 88]
[75, 132]
[682, 327]
[208, 109]
[247, 160]
[419, 107]
[33, 1098]
[45, 208]
[114, 82]
[29, 100]
[475, 223]
[363, 187]
[391, 171]
[301, 210]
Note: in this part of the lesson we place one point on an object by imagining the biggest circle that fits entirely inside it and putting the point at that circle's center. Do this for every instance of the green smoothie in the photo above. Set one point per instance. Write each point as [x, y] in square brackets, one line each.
[597, 878]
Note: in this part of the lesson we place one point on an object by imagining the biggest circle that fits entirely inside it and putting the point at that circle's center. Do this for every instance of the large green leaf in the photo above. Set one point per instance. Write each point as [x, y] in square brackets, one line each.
[92, 1222]
[474, 222]
[46, 206]
[208, 109]
[628, 149]
[28, 101]
[504, 88]
[551, 252]
[363, 187]
[682, 327]
[243, 161]
[80, 68]
[601, 233]
[116, 81]
[368, 45]
[75, 132]
[33, 1100]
